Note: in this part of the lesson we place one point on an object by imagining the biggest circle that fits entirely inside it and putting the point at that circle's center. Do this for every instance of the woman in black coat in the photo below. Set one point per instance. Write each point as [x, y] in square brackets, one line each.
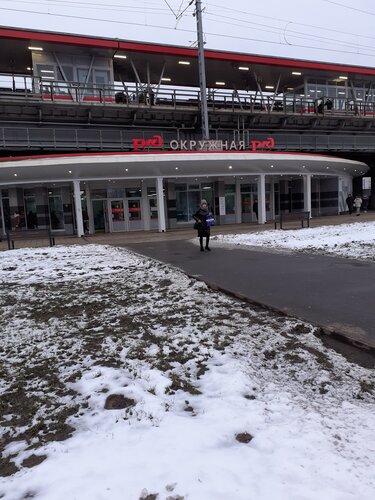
[350, 202]
[201, 216]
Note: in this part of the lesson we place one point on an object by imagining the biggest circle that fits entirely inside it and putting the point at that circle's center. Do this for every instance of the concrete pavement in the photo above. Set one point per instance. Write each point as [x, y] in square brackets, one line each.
[333, 293]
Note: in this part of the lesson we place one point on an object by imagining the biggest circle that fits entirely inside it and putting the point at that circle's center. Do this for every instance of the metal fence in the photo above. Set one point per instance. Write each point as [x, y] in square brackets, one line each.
[35, 89]
[70, 139]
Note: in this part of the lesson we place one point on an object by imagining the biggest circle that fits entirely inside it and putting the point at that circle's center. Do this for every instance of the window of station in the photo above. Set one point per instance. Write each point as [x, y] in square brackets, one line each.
[115, 193]
[135, 192]
[30, 208]
[47, 74]
[101, 77]
[64, 76]
[46, 71]
[84, 76]
[249, 197]
[56, 212]
[153, 202]
[4, 200]
[230, 198]
[207, 192]
[98, 194]
[68, 73]
[188, 198]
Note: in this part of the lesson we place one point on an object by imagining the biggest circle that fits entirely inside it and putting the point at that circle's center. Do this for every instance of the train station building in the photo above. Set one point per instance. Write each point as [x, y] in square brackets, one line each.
[100, 134]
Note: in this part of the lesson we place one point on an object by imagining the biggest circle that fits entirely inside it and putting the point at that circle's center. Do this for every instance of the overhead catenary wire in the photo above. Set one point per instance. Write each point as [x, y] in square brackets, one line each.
[339, 4]
[367, 50]
[93, 6]
[156, 8]
[330, 29]
[293, 33]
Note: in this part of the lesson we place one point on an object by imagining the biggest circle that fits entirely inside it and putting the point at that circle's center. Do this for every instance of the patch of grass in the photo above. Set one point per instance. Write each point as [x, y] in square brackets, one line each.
[293, 358]
[7, 467]
[33, 460]
[179, 383]
[269, 354]
[366, 386]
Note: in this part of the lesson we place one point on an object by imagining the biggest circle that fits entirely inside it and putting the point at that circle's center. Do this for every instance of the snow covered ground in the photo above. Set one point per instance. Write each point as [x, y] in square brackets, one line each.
[219, 400]
[356, 241]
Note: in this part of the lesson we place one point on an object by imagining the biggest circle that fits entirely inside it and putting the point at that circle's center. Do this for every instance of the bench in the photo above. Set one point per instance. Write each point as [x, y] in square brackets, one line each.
[293, 216]
[31, 234]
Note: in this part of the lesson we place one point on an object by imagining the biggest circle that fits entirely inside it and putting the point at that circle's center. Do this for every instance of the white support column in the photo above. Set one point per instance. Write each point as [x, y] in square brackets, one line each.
[272, 198]
[145, 208]
[307, 193]
[238, 204]
[160, 201]
[262, 199]
[78, 208]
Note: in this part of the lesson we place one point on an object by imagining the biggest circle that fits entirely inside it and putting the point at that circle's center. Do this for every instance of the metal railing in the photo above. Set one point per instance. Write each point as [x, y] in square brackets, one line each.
[68, 139]
[34, 88]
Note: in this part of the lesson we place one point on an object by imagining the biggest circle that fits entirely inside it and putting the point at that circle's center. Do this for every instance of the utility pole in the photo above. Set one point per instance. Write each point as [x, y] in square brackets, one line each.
[202, 71]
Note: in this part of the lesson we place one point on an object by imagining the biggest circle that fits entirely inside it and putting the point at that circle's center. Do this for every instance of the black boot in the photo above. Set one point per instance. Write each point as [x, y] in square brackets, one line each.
[201, 243]
[207, 241]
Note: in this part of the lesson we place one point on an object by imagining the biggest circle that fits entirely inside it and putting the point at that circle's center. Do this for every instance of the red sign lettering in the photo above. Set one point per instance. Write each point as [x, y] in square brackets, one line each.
[155, 142]
[269, 143]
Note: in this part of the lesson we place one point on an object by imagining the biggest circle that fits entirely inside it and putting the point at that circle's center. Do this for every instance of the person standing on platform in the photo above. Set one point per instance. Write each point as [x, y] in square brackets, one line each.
[203, 221]
[357, 204]
[350, 203]
[17, 220]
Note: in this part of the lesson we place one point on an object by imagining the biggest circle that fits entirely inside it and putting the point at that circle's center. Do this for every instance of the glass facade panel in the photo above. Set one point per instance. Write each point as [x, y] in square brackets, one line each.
[115, 193]
[133, 192]
[98, 211]
[56, 212]
[134, 209]
[82, 75]
[68, 72]
[230, 198]
[181, 206]
[101, 77]
[98, 194]
[153, 202]
[194, 200]
[31, 213]
[188, 199]
[246, 203]
[245, 188]
[230, 204]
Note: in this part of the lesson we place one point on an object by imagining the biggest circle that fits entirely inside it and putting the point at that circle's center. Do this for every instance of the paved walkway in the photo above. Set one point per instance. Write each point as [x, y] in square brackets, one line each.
[336, 294]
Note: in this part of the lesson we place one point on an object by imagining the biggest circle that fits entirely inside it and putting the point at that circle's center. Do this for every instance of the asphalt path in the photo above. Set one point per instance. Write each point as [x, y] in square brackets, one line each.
[336, 294]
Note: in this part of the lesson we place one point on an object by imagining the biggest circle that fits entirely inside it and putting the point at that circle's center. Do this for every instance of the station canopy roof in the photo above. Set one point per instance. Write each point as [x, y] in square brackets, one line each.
[234, 70]
[111, 166]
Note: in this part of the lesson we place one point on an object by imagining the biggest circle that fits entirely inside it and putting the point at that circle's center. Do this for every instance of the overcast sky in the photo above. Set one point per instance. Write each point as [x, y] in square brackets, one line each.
[335, 31]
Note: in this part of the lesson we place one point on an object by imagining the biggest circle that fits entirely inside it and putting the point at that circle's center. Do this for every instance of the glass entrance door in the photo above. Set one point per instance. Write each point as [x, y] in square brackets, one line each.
[99, 213]
[116, 216]
[249, 203]
[134, 215]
